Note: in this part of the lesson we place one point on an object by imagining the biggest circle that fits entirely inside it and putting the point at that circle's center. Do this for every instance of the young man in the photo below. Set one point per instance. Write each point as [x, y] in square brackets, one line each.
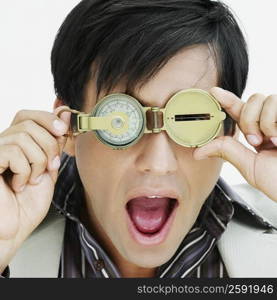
[155, 209]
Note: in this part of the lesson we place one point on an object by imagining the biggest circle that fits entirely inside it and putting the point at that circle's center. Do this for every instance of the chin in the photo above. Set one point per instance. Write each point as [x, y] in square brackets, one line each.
[154, 258]
[150, 255]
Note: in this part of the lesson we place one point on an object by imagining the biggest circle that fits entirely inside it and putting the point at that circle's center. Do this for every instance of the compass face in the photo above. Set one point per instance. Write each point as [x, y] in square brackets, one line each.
[124, 104]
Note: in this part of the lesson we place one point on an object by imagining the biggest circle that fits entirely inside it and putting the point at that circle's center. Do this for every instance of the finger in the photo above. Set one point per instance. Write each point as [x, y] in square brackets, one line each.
[42, 137]
[268, 118]
[229, 149]
[34, 154]
[13, 158]
[66, 117]
[229, 101]
[51, 122]
[249, 119]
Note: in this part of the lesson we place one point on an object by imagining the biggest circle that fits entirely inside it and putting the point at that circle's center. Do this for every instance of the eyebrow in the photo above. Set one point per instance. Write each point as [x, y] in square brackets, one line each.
[141, 101]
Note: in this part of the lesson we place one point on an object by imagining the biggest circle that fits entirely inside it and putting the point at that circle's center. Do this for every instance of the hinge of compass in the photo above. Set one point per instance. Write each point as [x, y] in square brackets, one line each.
[154, 119]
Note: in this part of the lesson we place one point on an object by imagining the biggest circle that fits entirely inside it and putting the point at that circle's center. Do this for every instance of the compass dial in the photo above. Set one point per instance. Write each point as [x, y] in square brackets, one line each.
[123, 104]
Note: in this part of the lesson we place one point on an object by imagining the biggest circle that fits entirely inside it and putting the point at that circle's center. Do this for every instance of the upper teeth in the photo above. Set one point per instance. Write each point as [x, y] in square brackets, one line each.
[153, 197]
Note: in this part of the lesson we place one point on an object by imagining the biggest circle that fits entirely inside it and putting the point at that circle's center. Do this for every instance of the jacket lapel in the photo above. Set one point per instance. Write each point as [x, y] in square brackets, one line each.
[249, 250]
[39, 256]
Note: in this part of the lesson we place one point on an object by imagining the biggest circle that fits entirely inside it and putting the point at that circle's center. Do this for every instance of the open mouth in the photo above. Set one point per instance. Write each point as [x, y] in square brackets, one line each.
[149, 218]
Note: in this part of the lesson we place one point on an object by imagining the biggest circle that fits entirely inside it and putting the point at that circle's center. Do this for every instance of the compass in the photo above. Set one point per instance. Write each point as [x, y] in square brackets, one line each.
[127, 120]
[191, 118]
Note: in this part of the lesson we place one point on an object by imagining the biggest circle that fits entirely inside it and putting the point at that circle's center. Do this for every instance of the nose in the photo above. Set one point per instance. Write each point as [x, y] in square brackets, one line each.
[156, 155]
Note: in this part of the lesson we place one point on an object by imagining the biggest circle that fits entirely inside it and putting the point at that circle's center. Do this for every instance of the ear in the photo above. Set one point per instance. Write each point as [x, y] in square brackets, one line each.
[69, 147]
[58, 102]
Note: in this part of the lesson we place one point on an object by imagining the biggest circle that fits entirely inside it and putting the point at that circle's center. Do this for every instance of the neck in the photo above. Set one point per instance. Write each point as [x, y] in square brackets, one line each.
[126, 268]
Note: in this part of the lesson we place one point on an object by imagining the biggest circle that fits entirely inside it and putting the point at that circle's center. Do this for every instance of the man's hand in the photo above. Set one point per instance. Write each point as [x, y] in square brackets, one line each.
[257, 120]
[30, 152]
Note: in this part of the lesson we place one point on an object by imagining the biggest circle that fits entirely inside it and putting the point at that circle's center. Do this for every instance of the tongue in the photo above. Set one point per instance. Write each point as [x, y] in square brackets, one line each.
[149, 214]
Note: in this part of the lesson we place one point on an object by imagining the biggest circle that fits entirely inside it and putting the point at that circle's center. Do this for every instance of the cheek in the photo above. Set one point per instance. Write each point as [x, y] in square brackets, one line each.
[96, 167]
[203, 177]
[101, 170]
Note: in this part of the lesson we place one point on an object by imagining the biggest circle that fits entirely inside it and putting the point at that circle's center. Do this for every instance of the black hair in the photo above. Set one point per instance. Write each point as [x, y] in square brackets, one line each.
[133, 40]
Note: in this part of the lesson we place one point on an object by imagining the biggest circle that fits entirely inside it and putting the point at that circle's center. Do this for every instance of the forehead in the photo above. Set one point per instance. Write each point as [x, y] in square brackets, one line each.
[192, 67]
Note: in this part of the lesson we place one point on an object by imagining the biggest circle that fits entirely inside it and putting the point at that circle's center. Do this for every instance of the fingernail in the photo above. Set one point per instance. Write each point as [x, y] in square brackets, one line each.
[56, 163]
[219, 88]
[274, 140]
[200, 157]
[66, 115]
[253, 139]
[38, 179]
[21, 189]
[59, 125]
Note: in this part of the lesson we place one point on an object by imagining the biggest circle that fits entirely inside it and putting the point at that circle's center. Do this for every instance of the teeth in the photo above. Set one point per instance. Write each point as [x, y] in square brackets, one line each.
[153, 197]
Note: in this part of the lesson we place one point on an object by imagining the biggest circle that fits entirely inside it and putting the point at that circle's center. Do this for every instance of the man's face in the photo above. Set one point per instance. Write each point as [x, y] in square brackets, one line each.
[146, 231]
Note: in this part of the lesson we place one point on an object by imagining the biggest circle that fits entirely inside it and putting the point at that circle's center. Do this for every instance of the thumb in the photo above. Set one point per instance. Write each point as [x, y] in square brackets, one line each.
[233, 151]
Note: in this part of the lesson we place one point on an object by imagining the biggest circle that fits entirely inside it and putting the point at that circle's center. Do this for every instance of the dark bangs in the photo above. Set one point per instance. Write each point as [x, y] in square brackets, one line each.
[131, 40]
